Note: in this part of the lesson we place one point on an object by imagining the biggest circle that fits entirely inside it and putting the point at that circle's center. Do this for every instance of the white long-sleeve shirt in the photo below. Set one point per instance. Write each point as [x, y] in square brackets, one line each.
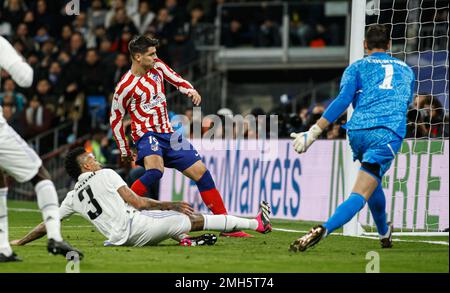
[13, 63]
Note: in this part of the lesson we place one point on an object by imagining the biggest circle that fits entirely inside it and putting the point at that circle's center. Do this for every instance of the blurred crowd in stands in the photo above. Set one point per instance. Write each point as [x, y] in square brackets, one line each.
[260, 25]
[79, 59]
[426, 118]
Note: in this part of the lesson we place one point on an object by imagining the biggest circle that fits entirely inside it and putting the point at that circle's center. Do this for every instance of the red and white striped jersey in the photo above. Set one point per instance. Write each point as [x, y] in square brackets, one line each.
[144, 98]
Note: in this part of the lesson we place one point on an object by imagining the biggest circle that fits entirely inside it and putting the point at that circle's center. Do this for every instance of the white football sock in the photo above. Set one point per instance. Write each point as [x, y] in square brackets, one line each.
[226, 223]
[48, 204]
[5, 248]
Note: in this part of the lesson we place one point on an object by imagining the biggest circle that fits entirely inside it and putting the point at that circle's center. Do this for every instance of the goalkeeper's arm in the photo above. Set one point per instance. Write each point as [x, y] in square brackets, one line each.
[302, 141]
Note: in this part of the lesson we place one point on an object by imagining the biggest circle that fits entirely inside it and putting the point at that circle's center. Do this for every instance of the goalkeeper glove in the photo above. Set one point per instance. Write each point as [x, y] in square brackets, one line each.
[303, 140]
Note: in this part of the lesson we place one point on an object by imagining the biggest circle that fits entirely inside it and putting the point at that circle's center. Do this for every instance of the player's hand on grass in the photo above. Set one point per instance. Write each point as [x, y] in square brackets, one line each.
[182, 207]
[303, 140]
[195, 96]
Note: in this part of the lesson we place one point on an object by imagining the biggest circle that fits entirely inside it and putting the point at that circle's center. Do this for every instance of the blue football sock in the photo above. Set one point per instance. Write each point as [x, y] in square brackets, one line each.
[150, 177]
[377, 206]
[345, 212]
[206, 182]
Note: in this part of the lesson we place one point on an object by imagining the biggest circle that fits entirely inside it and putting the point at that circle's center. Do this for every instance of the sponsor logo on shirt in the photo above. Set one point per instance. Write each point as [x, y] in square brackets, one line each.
[155, 101]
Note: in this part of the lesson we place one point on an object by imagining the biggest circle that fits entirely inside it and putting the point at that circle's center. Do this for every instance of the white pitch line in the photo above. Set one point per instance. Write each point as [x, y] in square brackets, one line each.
[276, 229]
[64, 227]
[289, 230]
[413, 241]
[30, 211]
[24, 210]
[370, 237]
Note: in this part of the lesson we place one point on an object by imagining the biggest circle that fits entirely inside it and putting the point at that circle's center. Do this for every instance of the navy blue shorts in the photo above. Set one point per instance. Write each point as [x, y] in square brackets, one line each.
[153, 143]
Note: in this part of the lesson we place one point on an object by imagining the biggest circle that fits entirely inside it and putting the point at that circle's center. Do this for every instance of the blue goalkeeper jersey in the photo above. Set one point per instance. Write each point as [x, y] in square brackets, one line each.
[380, 88]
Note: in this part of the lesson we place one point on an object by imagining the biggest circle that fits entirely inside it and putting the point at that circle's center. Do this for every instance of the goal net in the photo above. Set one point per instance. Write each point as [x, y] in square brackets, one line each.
[417, 184]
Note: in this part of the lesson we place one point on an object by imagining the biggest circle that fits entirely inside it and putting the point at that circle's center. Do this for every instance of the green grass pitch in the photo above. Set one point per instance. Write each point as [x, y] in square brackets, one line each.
[262, 253]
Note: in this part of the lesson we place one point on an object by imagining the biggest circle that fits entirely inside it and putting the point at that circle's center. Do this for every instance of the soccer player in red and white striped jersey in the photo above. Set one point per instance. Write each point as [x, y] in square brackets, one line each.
[141, 93]
[144, 98]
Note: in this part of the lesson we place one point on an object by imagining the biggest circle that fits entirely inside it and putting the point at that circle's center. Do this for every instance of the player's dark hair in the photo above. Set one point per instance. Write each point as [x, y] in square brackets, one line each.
[140, 44]
[377, 37]
[71, 163]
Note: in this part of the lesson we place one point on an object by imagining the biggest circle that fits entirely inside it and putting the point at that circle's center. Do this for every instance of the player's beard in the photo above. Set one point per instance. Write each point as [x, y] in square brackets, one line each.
[149, 66]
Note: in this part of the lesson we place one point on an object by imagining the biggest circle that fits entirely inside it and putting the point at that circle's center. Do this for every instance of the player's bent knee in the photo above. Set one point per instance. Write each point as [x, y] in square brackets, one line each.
[40, 176]
[196, 171]
[198, 167]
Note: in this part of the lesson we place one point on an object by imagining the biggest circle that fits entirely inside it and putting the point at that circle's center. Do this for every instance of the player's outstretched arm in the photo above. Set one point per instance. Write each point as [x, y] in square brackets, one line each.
[13, 63]
[65, 211]
[303, 140]
[38, 232]
[176, 80]
[142, 203]
[118, 124]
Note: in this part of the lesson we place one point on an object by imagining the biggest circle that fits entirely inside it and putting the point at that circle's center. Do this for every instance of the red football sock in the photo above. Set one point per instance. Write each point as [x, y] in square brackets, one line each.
[139, 188]
[214, 201]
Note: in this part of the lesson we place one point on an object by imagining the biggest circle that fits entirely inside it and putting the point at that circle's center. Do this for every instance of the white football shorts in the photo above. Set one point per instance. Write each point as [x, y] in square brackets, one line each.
[152, 227]
[17, 158]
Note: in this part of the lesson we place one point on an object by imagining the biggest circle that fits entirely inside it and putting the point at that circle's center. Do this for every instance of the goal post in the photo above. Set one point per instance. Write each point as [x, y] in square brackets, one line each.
[417, 184]
[357, 29]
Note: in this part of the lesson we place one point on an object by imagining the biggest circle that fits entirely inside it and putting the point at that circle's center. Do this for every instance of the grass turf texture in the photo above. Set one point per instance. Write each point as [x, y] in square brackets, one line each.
[263, 253]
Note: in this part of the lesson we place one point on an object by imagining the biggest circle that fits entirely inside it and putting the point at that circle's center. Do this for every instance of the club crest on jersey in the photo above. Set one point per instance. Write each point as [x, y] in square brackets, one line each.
[154, 144]
[154, 76]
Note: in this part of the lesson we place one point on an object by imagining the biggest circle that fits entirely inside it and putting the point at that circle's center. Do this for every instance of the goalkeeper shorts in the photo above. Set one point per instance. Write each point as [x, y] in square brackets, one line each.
[375, 146]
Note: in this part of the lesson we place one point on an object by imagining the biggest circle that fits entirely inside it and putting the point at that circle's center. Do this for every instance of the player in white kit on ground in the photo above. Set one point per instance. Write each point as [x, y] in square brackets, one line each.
[103, 198]
[18, 160]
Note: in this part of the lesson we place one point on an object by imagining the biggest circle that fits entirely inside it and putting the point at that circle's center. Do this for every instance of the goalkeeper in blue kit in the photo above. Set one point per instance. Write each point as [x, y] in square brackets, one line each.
[380, 88]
